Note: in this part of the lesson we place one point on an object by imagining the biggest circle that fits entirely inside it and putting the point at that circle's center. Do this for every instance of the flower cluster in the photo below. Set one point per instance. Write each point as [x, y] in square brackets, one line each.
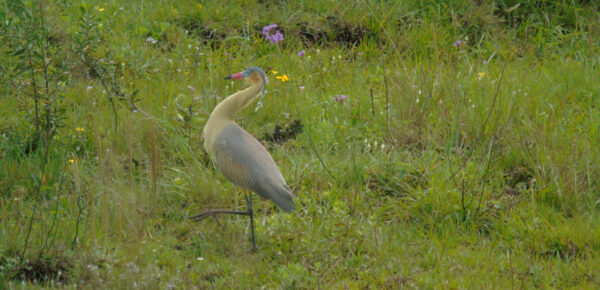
[271, 33]
[283, 78]
[151, 40]
[340, 98]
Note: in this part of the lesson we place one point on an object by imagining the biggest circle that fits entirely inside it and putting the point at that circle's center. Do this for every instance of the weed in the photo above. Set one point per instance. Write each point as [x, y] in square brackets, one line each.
[422, 140]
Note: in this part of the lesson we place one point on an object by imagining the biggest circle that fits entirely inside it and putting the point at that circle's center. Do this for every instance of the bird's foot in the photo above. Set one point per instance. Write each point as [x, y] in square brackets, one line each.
[217, 220]
[200, 216]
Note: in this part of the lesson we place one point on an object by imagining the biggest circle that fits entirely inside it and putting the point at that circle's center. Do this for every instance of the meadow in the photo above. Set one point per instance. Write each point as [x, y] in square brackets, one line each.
[429, 144]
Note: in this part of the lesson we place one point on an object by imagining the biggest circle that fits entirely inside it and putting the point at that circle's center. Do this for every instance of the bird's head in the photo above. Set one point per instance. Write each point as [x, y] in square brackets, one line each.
[253, 75]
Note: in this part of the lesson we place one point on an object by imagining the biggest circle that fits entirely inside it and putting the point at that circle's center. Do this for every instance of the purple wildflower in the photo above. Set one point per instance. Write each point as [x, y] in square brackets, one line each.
[268, 28]
[458, 43]
[340, 98]
[275, 38]
[300, 53]
[272, 35]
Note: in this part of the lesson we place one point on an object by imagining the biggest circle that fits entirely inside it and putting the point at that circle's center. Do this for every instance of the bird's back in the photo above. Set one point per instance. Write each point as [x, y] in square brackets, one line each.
[245, 162]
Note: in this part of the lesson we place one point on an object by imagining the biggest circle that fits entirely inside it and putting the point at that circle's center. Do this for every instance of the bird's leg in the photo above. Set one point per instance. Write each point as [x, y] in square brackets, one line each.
[206, 214]
[251, 214]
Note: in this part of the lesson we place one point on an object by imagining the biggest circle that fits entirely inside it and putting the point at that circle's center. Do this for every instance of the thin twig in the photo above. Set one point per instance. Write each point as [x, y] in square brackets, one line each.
[314, 149]
[387, 104]
[464, 186]
[45, 156]
[45, 244]
[372, 104]
[36, 97]
[80, 208]
[312, 146]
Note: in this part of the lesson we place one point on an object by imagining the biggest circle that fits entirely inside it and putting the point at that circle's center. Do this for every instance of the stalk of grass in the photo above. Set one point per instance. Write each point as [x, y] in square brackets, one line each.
[154, 163]
[78, 201]
[387, 103]
[4, 216]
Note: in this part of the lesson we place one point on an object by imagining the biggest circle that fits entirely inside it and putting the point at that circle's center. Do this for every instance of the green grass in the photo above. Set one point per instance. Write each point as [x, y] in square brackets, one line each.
[483, 171]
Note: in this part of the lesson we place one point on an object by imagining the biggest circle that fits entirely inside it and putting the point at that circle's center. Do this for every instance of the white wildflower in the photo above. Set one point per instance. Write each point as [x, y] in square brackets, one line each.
[151, 40]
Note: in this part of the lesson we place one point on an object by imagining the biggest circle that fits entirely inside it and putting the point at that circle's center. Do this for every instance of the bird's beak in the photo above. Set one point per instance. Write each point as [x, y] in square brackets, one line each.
[235, 76]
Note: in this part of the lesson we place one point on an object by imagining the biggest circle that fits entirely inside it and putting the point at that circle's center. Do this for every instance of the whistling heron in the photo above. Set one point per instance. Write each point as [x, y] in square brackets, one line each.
[239, 156]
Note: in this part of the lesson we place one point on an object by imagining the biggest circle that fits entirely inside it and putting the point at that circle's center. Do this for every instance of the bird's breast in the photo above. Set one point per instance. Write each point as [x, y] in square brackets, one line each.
[212, 130]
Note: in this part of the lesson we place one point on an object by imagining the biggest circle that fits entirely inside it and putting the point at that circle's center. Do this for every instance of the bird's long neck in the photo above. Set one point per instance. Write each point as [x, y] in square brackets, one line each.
[227, 109]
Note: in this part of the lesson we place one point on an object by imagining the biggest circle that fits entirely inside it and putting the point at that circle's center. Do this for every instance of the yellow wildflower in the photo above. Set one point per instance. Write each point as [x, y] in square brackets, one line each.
[79, 129]
[101, 9]
[284, 78]
[71, 160]
[274, 72]
[481, 75]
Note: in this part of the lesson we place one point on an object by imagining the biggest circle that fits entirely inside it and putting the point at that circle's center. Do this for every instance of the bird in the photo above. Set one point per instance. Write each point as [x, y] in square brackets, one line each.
[239, 156]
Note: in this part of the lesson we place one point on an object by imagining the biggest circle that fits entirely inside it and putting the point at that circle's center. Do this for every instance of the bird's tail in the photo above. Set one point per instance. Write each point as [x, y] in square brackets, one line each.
[284, 198]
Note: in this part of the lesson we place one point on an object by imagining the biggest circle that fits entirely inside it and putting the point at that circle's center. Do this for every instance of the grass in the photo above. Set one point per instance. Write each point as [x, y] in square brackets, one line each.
[445, 167]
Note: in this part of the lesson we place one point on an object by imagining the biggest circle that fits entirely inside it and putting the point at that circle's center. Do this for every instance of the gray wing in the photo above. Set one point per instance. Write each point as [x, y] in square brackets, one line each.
[245, 162]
